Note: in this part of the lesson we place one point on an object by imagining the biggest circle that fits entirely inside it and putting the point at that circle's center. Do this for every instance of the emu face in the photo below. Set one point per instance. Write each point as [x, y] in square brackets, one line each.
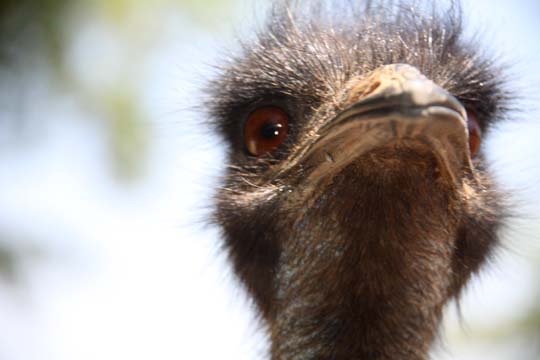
[357, 202]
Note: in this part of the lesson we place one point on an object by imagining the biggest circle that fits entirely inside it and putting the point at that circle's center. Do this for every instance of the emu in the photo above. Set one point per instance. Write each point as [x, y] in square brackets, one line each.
[357, 200]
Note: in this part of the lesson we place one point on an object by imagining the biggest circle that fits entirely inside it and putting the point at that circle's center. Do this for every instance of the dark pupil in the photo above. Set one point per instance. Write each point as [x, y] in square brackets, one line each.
[270, 130]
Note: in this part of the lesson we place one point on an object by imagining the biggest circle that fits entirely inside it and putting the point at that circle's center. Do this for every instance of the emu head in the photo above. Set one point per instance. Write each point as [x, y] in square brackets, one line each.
[357, 201]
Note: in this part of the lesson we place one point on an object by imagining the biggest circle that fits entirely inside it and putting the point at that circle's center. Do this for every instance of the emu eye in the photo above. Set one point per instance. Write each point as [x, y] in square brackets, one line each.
[475, 133]
[265, 130]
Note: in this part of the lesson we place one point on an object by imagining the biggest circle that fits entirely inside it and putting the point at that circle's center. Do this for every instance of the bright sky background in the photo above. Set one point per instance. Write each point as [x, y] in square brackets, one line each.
[131, 272]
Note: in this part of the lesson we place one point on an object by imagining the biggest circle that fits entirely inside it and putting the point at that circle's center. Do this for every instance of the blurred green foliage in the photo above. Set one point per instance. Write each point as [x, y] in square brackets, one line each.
[201, 12]
[205, 11]
[8, 264]
[21, 21]
[42, 31]
[128, 132]
[46, 29]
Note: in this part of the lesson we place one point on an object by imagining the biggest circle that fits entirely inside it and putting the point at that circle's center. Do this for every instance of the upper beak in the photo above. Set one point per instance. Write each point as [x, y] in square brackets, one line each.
[398, 87]
[393, 104]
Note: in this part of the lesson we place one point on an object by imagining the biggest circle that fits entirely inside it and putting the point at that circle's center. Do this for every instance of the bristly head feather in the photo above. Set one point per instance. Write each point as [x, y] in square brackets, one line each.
[307, 51]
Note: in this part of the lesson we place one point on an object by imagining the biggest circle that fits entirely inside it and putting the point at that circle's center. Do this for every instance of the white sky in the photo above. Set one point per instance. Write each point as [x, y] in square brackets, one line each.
[128, 273]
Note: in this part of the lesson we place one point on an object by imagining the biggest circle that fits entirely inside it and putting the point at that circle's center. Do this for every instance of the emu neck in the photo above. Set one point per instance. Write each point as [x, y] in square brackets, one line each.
[367, 268]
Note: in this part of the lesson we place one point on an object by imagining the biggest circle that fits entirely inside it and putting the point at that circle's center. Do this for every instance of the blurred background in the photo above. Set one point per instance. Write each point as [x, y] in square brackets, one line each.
[106, 171]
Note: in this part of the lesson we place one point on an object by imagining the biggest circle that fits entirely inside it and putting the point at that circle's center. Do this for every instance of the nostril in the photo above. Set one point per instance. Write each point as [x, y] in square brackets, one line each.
[372, 88]
[360, 89]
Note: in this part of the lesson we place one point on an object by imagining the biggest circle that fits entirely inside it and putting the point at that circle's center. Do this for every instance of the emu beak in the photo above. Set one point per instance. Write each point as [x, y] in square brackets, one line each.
[393, 105]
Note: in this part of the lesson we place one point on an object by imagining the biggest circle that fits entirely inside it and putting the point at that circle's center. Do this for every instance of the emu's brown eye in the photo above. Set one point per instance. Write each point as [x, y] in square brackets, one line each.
[475, 133]
[265, 130]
